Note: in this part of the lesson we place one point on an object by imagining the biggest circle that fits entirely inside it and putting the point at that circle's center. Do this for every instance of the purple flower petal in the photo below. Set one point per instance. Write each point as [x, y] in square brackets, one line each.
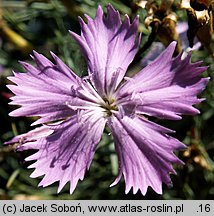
[145, 153]
[65, 155]
[47, 90]
[166, 88]
[109, 46]
[155, 50]
[31, 136]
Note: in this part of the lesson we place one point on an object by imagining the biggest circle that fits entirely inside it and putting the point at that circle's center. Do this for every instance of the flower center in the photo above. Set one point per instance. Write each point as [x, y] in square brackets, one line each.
[109, 106]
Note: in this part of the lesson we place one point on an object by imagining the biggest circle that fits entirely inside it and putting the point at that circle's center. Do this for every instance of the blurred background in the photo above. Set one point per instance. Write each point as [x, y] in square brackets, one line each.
[43, 25]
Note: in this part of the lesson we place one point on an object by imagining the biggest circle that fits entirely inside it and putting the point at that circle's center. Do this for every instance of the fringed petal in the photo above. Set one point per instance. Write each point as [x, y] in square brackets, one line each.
[109, 46]
[145, 152]
[48, 90]
[167, 88]
[65, 155]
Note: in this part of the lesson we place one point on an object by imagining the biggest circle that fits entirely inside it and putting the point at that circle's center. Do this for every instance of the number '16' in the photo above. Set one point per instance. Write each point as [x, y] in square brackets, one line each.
[204, 208]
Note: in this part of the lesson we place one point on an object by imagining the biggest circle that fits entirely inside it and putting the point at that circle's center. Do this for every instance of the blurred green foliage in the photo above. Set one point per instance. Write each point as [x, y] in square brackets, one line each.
[43, 25]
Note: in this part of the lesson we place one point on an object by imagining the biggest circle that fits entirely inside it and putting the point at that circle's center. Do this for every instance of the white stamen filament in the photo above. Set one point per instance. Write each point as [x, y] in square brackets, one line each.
[95, 102]
[100, 100]
[74, 107]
